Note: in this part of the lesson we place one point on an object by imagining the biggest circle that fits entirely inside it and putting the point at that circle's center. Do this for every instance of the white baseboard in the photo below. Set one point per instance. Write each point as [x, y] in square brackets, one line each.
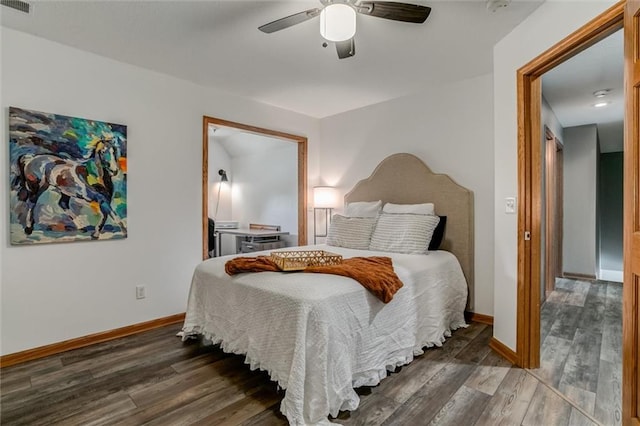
[609, 275]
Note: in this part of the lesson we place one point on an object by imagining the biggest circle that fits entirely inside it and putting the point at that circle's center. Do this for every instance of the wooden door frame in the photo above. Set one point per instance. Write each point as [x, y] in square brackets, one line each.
[529, 88]
[302, 173]
[631, 251]
[553, 222]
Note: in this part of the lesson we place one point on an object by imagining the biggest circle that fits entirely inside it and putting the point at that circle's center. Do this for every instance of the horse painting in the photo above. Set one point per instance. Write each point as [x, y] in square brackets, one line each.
[69, 178]
[63, 195]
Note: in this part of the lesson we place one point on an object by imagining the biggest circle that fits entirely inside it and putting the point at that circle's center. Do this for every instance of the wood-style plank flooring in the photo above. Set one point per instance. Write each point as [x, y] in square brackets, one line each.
[155, 379]
[581, 350]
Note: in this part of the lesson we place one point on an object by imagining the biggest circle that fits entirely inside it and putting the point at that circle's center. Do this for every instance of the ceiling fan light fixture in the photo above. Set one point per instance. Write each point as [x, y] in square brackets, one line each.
[601, 104]
[338, 22]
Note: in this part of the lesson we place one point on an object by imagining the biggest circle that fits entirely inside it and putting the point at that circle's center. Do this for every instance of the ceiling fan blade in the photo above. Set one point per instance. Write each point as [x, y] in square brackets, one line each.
[404, 12]
[289, 21]
[346, 49]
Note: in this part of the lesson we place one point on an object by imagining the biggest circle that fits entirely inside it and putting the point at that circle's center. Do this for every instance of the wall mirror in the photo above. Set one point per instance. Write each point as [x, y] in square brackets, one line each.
[252, 175]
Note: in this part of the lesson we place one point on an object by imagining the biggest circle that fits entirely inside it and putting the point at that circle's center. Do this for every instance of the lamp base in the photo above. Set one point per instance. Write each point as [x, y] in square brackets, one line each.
[324, 220]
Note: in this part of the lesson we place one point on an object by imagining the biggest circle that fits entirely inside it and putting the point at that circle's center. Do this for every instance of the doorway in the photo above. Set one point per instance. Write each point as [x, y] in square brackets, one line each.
[581, 311]
[529, 176]
[268, 135]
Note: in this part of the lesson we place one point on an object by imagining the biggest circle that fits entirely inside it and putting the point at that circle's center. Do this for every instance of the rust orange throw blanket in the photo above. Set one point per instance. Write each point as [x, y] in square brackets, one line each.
[374, 273]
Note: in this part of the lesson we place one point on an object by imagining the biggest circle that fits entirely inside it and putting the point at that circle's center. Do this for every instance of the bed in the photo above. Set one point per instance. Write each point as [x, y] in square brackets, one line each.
[320, 336]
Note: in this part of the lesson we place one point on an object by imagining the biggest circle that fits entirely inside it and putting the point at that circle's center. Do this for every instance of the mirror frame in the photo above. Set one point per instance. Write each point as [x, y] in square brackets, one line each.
[302, 173]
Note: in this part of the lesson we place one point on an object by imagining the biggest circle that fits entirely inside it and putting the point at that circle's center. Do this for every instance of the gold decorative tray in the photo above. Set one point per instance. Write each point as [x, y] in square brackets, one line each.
[297, 260]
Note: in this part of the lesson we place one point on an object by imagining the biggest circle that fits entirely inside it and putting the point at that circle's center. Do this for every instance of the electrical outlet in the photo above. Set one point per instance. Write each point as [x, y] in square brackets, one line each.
[510, 205]
[140, 292]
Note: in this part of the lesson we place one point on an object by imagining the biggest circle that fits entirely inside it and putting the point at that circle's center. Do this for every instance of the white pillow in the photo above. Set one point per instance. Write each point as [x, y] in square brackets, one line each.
[426, 208]
[351, 232]
[403, 233]
[363, 209]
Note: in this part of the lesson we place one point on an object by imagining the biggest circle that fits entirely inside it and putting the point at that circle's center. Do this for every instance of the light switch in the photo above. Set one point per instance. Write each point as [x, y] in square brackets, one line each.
[510, 205]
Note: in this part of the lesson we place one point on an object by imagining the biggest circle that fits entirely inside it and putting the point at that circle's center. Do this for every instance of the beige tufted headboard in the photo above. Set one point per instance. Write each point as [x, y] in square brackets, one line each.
[405, 179]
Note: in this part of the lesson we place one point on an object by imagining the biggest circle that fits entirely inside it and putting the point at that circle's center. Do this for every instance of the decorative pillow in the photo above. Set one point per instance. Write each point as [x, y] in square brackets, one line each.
[363, 209]
[351, 232]
[426, 208]
[403, 233]
[438, 234]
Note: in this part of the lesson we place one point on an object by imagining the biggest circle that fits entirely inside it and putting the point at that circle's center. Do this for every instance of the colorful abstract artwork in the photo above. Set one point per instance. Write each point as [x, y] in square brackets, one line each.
[68, 178]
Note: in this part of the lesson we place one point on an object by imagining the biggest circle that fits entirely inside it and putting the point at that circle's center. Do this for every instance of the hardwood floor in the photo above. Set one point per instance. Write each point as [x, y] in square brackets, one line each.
[155, 379]
[581, 351]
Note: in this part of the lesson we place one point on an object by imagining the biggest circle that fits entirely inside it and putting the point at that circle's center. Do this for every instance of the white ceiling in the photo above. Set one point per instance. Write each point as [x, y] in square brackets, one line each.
[241, 144]
[569, 88]
[217, 44]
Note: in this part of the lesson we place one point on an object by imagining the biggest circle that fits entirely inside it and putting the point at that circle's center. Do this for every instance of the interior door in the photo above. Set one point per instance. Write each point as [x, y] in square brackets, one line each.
[554, 212]
[559, 229]
[631, 286]
[550, 184]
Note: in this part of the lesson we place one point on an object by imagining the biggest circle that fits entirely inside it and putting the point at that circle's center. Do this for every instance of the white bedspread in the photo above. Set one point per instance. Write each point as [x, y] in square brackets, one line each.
[321, 335]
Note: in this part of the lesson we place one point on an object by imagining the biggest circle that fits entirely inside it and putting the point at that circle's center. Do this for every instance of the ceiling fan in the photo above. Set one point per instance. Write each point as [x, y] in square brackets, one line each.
[338, 19]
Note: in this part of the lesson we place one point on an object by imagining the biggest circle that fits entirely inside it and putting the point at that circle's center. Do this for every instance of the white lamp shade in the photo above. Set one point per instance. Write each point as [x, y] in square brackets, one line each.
[325, 197]
[338, 22]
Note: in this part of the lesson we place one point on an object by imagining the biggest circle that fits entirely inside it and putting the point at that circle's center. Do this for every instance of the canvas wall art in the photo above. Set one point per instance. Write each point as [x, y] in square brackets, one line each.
[68, 178]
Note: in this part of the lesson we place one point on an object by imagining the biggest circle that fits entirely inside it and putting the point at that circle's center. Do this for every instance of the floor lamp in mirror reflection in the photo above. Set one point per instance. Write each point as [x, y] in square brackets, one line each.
[325, 199]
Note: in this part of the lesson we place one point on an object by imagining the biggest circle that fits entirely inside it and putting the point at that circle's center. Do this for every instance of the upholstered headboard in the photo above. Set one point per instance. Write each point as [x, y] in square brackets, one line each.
[405, 179]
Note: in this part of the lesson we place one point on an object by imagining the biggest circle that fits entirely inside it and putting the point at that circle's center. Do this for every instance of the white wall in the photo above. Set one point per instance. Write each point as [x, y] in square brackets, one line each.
[55, 292]
[262, 188]
[219, 198]
[580, 191]
[449, 127]
[265, 188]
[219, 159]
[547, 25]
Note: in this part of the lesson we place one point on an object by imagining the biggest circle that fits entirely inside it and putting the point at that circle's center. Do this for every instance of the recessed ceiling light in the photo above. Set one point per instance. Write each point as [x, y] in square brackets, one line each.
[601, 104]
[494, 5]
[601, 93]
